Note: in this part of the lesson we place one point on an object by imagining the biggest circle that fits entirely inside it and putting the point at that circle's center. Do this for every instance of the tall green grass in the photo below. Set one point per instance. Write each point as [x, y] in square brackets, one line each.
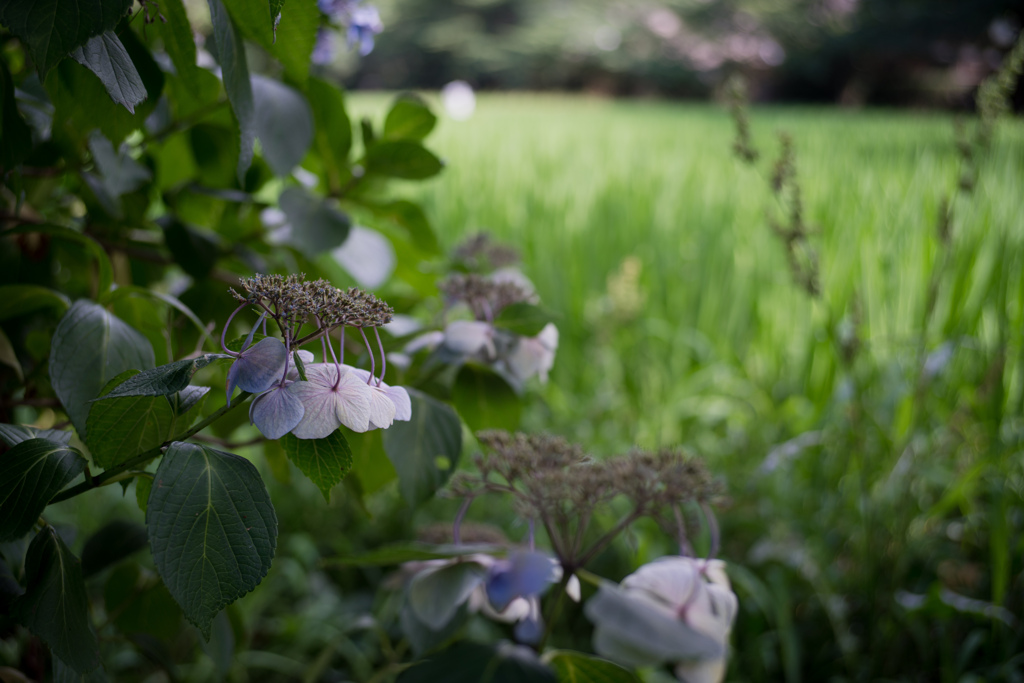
[682, 325]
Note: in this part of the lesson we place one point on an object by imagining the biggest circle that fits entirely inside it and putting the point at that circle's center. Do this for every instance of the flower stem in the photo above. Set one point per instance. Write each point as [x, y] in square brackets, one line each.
[556, 608]
[142, 458]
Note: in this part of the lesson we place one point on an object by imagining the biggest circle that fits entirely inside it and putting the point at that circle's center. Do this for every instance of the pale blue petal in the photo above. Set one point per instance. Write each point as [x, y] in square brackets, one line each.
[258, 368]
[276, 412]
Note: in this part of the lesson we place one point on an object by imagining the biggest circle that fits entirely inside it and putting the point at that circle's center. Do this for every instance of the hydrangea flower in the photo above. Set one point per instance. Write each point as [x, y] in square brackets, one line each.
[676, 610]
[388, 403]
[276, 411]
[332, 397]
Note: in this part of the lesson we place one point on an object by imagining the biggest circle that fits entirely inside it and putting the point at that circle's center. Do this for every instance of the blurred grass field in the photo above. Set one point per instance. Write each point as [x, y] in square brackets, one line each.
[897, 395]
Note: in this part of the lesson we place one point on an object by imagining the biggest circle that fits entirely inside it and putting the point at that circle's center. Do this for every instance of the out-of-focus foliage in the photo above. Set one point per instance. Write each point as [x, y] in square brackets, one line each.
[855, 51]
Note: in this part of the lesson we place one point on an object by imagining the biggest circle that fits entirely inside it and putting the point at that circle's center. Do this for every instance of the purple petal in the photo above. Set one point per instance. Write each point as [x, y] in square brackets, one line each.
[531, 628]
[258, 368]
[523, 574]
[276, 412]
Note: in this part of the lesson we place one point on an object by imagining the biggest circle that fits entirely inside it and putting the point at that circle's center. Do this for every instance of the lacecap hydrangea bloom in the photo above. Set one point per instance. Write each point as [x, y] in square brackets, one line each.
[294, 394]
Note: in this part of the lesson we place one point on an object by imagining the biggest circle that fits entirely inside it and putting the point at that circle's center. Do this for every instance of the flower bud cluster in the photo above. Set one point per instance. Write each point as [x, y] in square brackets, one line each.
[291, 299]
[481, 252]
[486, 297]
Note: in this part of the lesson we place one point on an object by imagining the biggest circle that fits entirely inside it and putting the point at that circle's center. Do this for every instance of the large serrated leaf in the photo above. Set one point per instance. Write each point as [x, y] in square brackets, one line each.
[235, 73]
[121, 428]
[105, 56]
[212, 529]
[284, 123]
[90, 347]
[325, 461]
[576, 667]
[317, 225]
[53, 28]
[163, 380]
[426, 449]
[31, 473]
[12, 435]
[55, 606]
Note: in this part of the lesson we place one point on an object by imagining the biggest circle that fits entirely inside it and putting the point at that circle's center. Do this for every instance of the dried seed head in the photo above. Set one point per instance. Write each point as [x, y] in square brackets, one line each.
[485, 298]
[480, 252]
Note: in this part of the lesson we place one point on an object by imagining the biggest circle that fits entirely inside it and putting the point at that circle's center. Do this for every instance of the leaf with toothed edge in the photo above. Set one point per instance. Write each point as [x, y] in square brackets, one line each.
[165, 379]
[325, 461]
[212, 529]
[31, 473]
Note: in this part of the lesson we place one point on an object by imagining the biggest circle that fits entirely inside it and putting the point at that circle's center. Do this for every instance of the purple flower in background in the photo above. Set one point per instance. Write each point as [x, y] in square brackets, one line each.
[323, 51]
[362, 24]
[521, 575]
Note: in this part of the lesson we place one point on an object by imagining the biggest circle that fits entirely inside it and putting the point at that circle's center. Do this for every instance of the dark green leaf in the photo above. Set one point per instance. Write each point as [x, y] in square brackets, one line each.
[165, 379]
[235, 72]
[186, 405]
[176, 34]
[371, 465]
[140, 603]
[402, 159]
[408, 119]
[333, 127]
[425, 639]
[524, 319]
[173, 302]
[317, 226]
[400, 553]
[90, 346]
[296, 37]
[106, 57]
[193, 250]
[426, 449]
[15, 135]
[12, 435]
[468, 662]
[284, 124]
[62, 673]
[53, 28]
[119, 173]
[325, 461]
[576, 667]
[105, 270]
[121, 428]
[485, 400]
[212, 529]
[436, 593]
[81, 103]
[31, 473]
[55, 606]
[111, 544]
[143, 487]
[10, 589]
[253, 18]
[8, 356]
[18, 300]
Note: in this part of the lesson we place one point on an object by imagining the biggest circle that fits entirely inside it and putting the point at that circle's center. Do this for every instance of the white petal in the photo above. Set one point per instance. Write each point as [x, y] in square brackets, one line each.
[470, 337]
[403, 406]
[367, 255]
[354, 403]
[382, 408]
[427, 340]
[672, 580]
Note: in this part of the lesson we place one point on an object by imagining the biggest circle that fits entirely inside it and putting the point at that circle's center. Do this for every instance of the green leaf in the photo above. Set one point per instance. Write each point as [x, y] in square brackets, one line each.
[317, 226]
[284, 124]
[53, 28]
[325, 461]
[186, 405]
[192, 249]
[402, 159]
[333, 127]
[111, 544]
[31, 473]
[485, 400]
[18, 300]
[176, 34]
[253, 18]
[469, 662]
[371, 465]
[105, 270]
[143, 487]
[576, 667]
[408, 119]
[212, 529]
[400, 553]
[235, 72]
[120, 173]
[121, 428]
[173, 302]
[105, 56]
[140, 603]
[424, 639]
[55, 606]
[296, 37]
[418, 448]
[165, 379]
[410, 217]
[90, 346]
[524, 319]
[436, 593]
[15, 135]
[12, 435]
[8, 357]
[62, 673]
